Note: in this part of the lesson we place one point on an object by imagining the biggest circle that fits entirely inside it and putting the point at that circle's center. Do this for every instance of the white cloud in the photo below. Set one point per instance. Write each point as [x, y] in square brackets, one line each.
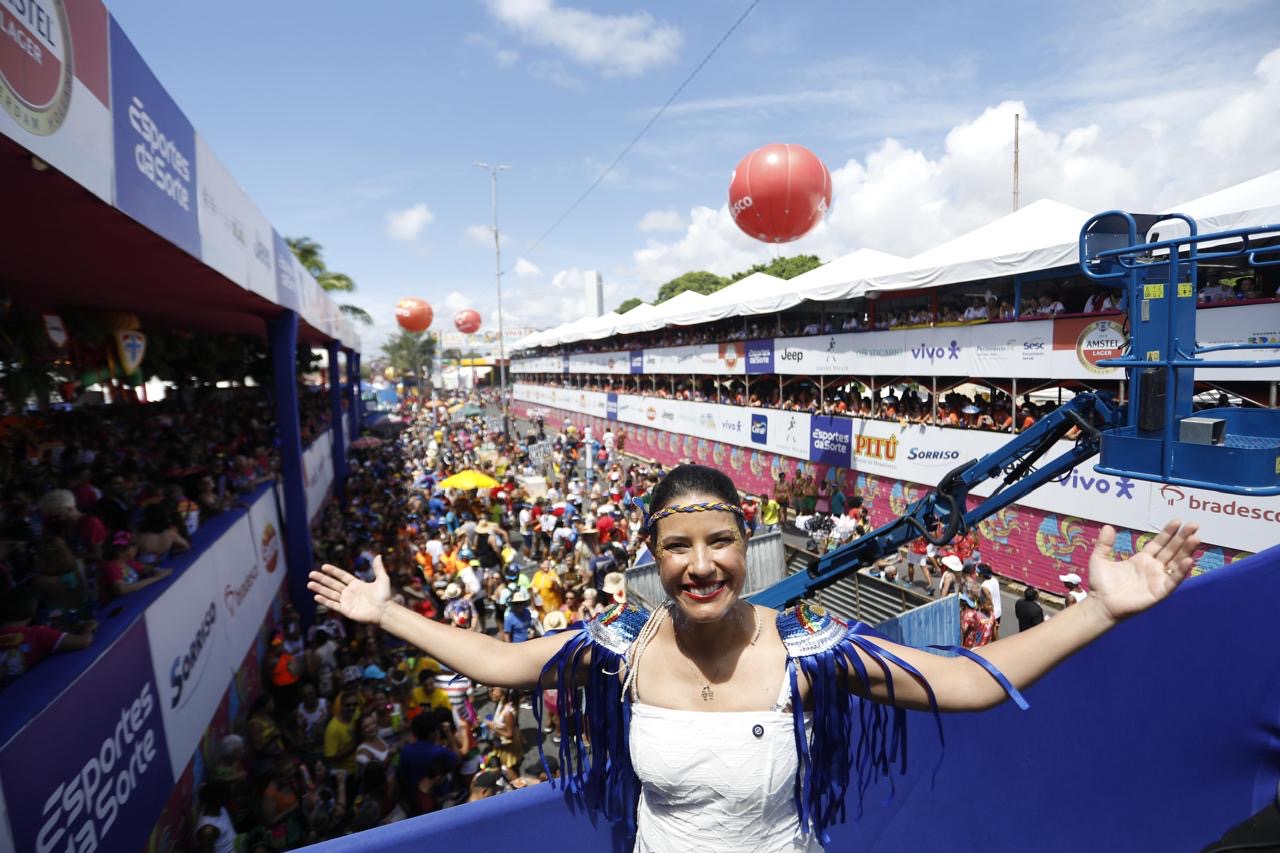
[662, 220]
[903, 200]
[480, 234]
[503, 57]
[456, 301]
[614, 44]
[405, 225]
[561, 299]
[526, 269]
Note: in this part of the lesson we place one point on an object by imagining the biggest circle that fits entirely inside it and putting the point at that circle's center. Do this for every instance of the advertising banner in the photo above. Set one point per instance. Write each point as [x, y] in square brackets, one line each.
[92, 770]
[759, 356]
[155, 150]
[1079, 343]
[701, 359]
[249, 574]
[1239, 324]
[611, 406]
[637, 361]
[618, 363]
[317, 473]
[188, 639]
[286, 279]
[55, 91]
[235, 238]
[830, 440]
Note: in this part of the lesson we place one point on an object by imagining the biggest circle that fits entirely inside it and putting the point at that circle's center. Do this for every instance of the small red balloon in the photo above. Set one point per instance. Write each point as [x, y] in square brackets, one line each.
[413, 314]
[779, 192]
[467, 321]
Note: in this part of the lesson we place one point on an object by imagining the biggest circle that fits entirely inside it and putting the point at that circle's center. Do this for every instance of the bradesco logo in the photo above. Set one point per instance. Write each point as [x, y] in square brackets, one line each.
[1172, 495]
[35, 66]
[760, 429]
[1117, 487]
[187, 668]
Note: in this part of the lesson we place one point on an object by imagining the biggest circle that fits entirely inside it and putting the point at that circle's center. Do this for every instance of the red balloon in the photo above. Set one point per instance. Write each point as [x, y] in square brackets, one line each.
[779, 192]
[413, 314]
[467, 321]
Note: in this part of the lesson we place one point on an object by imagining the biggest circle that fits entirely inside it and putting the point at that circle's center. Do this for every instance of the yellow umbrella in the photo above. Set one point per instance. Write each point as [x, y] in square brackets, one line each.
[469, 479]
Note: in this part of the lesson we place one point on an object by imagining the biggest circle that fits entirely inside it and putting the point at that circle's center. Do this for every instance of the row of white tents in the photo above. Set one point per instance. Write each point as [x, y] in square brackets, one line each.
[1043, 235]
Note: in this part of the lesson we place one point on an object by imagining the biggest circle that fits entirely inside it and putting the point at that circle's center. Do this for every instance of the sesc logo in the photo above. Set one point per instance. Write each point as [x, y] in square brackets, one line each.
[759, 429]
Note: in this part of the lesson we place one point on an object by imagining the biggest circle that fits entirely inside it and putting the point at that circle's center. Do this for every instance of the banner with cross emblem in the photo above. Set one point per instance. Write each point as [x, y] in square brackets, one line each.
[132, 346]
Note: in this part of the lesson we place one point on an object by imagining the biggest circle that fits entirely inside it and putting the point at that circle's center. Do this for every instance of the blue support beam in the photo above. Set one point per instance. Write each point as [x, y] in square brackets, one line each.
[353, 395]
[282, 331]
[339, 445]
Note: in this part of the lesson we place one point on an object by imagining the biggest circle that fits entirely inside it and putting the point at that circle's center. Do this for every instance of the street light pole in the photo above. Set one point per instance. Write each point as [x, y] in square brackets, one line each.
[497, 257]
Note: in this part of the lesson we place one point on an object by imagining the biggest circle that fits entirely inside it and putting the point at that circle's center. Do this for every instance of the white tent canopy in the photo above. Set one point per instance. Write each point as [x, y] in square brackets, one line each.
[1246, 205]
[660, 314]
[839, 279]
[728, 301]
[1043, 235]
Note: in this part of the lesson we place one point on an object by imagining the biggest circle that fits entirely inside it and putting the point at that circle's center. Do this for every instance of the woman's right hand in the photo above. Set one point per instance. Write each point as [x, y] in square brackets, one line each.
[356, 599]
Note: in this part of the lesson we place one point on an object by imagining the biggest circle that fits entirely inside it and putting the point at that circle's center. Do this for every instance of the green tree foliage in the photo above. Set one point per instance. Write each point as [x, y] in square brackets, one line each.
[408, 351]
[629, 304]
[310, 254]
[699, 281]
[783, 268]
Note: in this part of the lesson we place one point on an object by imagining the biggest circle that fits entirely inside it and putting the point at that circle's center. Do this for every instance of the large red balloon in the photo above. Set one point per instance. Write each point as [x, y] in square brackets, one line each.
[467, 321]
[779, 192]
[413, 314]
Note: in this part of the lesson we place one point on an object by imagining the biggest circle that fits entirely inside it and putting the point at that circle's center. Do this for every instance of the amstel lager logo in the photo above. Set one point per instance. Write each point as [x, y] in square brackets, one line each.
[1099, 341]
[35, 63]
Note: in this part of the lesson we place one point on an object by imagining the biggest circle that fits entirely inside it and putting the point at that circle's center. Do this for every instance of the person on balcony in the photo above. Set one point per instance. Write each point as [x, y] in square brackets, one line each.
[737, 721]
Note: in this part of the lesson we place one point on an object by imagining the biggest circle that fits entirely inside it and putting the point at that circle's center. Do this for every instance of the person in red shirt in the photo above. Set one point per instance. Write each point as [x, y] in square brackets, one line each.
[23, 645]
[120, 573]
[604, 526]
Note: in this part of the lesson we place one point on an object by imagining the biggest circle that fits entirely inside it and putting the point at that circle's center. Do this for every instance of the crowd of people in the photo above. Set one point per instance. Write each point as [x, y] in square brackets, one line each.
[96, 500]
[356, 729]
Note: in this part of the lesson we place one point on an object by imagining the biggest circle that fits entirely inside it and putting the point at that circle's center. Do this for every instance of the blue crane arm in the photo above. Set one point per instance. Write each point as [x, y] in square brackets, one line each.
[1015, 464]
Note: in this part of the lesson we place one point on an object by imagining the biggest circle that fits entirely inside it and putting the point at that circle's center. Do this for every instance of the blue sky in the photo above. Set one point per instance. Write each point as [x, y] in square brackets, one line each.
[357, 124]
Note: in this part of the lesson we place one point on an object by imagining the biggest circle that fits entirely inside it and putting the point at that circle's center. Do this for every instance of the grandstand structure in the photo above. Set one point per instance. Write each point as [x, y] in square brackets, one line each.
[835, 375]
[115, 204]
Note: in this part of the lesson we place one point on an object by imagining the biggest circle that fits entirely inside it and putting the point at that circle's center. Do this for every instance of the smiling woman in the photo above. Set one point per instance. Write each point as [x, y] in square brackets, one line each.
[714, 724]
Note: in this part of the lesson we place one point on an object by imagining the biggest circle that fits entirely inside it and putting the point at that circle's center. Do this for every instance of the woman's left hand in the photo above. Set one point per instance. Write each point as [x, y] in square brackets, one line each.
[1129, 586]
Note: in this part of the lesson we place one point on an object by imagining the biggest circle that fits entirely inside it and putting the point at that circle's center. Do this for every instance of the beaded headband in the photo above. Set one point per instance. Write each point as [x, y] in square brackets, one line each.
[702, 507]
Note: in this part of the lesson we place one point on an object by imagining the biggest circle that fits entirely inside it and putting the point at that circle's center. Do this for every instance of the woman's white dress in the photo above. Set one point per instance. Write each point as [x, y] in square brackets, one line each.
[717, 780]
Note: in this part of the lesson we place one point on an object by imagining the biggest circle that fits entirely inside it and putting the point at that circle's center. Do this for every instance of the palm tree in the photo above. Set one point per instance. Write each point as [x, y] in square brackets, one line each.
[308, 253]
[410, 352]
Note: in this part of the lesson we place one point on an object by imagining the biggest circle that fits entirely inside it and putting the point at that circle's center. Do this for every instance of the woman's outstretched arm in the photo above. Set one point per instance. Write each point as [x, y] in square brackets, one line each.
[1118, 589]
[481, 658]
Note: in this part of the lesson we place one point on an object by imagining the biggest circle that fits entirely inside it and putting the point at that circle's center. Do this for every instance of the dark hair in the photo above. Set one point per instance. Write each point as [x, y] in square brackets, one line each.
[694, 479]
[424, 726]
[1031, 594]
[155, 519]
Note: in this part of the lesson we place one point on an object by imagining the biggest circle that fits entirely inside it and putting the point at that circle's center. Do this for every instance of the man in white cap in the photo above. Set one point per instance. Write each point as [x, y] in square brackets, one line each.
[1072, 582]
[517, 624]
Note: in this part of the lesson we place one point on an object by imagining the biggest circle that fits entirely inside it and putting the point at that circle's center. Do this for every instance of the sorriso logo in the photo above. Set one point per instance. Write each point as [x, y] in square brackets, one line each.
[760, 429]
[185, 666]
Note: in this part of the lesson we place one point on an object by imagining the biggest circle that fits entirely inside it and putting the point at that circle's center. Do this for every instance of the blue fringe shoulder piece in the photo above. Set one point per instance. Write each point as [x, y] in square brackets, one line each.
[595, 761]
[826, 650]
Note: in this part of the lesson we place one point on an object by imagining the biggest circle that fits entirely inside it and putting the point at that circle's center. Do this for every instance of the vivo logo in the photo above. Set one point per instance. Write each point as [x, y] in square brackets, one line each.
[932, 353]
[1120, 488]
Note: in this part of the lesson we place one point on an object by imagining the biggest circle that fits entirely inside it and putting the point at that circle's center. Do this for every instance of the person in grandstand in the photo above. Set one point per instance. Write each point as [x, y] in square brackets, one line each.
[708, 650]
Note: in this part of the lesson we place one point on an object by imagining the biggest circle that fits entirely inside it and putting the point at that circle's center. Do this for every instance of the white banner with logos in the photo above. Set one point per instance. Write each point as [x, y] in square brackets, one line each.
[251, 571]
[723, 359]
[235, 238]
[317, 473]
[186, 630]
[616, 363]
[538, 364]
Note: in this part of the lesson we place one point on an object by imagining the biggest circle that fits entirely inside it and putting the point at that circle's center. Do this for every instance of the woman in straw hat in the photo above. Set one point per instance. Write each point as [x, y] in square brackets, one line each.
[741, 719]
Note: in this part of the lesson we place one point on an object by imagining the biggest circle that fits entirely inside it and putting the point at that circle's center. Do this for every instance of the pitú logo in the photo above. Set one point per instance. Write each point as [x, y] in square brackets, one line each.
[948, 353]
[760, 429]
[270, 548]
[35, 70]
[1120, 487]
[870, 447]
[184, 666]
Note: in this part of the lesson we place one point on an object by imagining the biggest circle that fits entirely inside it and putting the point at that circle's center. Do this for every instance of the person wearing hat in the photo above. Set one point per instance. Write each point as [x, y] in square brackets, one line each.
[555, 621]
[951, 577]
[517, 625]
[615, 586]
[679, 688]
[1075, 592]
[458, 610]
[992, 587]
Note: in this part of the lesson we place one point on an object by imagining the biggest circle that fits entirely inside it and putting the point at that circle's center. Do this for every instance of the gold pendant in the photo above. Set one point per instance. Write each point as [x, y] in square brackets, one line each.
[707, 693]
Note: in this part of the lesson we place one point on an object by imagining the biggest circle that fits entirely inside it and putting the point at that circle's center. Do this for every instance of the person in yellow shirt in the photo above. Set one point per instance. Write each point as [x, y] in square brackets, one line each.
[428, 695]
[770, 513]
[339, 735]
[546, 584]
